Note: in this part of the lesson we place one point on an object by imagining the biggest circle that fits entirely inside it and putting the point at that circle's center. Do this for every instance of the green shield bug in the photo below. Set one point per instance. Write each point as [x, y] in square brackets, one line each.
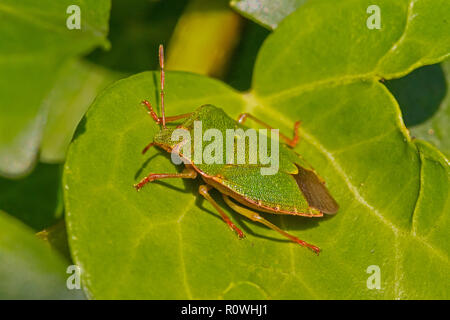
[294, 189]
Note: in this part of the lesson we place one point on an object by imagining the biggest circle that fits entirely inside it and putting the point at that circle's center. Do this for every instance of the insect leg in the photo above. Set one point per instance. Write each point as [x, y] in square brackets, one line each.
[157, 119]
[188, 173]
[256, 217]
[204, 191]
[180, 116]
[291, 142]
[151, 144]
[151, 112]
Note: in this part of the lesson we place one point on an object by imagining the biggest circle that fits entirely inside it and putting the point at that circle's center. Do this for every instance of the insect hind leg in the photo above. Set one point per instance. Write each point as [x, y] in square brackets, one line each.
[252, 215]
[204, 191]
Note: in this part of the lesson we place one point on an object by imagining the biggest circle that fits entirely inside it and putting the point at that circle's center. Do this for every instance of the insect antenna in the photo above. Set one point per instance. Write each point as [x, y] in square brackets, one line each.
[161, 65]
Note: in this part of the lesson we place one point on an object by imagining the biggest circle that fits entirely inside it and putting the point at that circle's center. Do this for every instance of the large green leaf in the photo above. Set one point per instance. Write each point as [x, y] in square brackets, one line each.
[165, 242]
[35, 43]
[29, 269]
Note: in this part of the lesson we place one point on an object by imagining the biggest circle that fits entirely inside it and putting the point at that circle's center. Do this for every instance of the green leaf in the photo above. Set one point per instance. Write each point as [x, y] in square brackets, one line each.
[35, 44]
[268, 13]
[424, 98]
[28, 268]
[165, 242]
[37, 199]
[78, 83]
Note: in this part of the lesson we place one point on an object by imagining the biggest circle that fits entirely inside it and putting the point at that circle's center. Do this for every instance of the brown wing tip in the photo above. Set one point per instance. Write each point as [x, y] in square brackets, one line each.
[315, 191]
[333, 210]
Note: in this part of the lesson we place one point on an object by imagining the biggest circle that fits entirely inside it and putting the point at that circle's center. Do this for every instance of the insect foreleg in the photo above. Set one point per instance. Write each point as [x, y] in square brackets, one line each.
[252, 215]
[204, 191]
[151, 144]
[151, 112]
[188, 173]
[157, 119]
[291, 142]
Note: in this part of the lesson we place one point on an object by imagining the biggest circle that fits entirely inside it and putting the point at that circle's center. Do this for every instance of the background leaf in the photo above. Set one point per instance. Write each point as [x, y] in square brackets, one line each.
[56, 238]
[78, 83]
[424, 98]
[210, 50]
[29, 65]
[266, 12]
[28, 268]
[311, 68]
[136, 29]
[37, 199]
